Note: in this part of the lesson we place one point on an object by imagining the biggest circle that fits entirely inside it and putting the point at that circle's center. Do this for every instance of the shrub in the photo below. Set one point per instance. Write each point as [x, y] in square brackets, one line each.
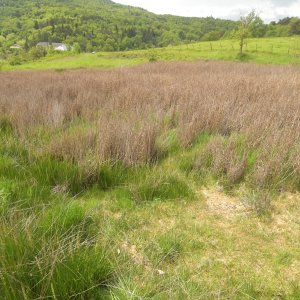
[37, 52]
[243, 57]
[15, 60]
[153, 58]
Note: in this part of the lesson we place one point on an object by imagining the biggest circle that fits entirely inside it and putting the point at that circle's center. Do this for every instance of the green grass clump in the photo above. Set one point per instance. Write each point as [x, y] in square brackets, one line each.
[7, 195]
[64, 219]
[115, 241]
[170, 247]
[4, 200]
[168, 142]
[82, 274]
[51, 172]
[5, 126]
[111, 175]
[52, 254]
[159, 186]
[58, 268]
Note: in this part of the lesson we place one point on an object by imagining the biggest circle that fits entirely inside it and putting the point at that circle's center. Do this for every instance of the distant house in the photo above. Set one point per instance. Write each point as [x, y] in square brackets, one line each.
[16, 46]
[56, 46]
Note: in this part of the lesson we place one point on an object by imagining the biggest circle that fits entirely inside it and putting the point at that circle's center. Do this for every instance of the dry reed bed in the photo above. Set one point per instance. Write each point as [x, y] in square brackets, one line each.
[130, 108]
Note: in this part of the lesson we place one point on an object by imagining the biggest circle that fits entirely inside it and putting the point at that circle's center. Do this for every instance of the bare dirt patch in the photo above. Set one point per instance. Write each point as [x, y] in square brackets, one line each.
[220, 203]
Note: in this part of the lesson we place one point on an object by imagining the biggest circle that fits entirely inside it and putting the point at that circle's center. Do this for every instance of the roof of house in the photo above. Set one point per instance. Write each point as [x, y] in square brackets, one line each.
[47, 44]
[16, 46]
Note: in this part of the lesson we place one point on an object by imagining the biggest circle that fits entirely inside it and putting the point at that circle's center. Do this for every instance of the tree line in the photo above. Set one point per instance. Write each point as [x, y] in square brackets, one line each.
[102, 25]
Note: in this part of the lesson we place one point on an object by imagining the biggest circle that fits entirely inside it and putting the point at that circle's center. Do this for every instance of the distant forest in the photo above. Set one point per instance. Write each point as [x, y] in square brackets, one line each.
[102, 25]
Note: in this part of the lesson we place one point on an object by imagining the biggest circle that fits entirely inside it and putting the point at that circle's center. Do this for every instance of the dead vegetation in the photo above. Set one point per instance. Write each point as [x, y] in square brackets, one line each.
[125, 111]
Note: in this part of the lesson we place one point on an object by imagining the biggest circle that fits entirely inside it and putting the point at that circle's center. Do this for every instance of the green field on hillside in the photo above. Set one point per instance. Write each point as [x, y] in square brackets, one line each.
[266, 51]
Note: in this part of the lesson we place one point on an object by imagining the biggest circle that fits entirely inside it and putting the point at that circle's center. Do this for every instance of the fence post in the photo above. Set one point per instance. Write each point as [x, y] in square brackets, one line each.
[211, 48]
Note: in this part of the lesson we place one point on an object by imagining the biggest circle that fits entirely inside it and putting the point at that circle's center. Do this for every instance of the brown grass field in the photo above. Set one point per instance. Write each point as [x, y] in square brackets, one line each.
[253, 112]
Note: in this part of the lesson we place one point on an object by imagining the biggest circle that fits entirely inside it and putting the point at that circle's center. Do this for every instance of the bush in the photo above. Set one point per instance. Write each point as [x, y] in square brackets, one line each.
[37, 52]
[243, 57]
[15, 60]
[153, 58]
[77, 48]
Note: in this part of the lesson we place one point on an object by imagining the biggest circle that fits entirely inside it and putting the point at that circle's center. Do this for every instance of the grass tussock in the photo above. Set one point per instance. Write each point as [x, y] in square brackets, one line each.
[52, 256]
[161, 187]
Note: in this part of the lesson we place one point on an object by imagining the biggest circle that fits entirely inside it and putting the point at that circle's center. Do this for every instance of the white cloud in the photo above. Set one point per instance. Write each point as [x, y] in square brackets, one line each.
[232, 9]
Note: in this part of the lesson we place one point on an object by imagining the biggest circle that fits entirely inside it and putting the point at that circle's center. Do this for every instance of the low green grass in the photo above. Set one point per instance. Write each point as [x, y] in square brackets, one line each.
[161, 231]
[284, 50]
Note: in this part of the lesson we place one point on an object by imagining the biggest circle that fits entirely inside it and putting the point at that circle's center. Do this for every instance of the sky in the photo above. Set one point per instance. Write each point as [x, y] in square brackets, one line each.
[268, 10]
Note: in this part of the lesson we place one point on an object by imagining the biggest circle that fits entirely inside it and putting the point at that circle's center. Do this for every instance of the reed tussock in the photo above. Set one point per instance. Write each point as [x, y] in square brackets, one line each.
[129, 109]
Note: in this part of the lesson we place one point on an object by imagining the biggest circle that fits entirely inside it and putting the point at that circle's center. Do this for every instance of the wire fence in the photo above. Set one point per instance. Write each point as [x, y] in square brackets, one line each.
[292, 49]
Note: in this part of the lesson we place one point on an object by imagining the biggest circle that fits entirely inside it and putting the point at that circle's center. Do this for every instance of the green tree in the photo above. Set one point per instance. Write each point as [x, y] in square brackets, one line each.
[244, 29]
[295, 26]
[76, 48]
[258, 28]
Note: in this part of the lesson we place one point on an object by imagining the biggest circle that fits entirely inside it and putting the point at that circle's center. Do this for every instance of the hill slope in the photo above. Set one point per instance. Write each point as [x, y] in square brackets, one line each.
[99, 25]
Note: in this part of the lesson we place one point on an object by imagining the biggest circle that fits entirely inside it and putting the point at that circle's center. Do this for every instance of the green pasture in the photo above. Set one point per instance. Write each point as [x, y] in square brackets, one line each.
[284, 50]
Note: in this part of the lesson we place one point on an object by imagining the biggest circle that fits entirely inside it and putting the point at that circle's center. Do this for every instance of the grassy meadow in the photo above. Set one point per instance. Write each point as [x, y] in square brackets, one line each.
[283, 50]
[171, 180]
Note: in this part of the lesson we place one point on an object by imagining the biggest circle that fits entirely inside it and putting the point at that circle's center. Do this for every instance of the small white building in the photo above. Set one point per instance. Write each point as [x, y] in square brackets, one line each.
[16, 46]
[56, 46]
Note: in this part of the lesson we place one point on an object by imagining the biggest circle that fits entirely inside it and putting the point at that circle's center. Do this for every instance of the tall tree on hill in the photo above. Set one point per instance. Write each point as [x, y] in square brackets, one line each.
[244, 29]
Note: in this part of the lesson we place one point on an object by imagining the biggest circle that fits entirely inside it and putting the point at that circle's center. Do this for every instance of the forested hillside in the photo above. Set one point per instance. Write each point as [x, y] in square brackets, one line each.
[99, 25]
[102, 25]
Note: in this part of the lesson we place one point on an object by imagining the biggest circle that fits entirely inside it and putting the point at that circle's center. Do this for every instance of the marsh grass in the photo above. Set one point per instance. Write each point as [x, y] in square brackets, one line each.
[100, 120]
[101, 176]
